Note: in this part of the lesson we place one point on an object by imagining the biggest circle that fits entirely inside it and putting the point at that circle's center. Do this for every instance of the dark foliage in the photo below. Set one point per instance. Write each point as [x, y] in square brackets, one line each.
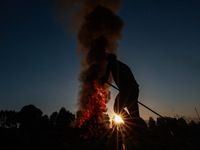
[53, 118]
[30, 117]
[64, 118]
[9, 119]
[152, 122]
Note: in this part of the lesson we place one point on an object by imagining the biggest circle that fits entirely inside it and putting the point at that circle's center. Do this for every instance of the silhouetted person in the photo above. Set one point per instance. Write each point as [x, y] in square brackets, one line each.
[128, 87]
[127, 96]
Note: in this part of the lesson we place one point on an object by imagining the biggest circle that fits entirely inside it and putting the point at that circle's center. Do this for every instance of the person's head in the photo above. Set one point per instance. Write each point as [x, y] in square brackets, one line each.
[111, 57]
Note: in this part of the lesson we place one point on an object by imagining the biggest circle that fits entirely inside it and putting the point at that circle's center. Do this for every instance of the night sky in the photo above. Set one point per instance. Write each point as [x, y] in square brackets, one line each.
[40, 65]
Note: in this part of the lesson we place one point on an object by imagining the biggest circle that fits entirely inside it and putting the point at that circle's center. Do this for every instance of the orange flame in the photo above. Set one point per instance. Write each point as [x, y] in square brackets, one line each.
[95, 108]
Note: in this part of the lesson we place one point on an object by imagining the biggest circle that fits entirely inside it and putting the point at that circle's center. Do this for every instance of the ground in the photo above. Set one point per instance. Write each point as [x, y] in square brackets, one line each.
[72, 139]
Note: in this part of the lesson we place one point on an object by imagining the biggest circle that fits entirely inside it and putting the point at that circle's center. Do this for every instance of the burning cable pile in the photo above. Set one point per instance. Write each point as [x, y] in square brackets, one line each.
[98, 35]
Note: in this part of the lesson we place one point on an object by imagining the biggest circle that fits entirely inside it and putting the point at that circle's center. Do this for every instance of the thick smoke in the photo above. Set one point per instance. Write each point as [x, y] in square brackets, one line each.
[98, 35]
[99, 30]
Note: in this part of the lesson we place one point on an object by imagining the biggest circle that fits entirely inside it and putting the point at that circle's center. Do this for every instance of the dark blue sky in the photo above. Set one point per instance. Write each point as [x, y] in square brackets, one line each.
[39, 63]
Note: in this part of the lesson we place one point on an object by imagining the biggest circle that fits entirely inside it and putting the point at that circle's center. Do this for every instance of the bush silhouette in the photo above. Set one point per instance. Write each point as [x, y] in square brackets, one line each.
[30, 117]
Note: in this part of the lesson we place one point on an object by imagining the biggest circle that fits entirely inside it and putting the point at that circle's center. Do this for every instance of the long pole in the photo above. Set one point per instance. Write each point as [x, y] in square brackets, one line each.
[138, 102]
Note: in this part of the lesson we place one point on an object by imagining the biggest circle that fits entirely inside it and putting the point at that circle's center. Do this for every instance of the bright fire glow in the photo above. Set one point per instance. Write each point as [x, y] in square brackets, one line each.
[118, 119]
[91, 117]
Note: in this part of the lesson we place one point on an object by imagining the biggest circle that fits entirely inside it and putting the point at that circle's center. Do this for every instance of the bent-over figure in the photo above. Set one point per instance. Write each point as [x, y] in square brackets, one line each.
[128, 87]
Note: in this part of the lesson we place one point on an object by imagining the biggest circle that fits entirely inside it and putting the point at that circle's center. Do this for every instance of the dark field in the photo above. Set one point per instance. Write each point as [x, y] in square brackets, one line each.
[72, 139]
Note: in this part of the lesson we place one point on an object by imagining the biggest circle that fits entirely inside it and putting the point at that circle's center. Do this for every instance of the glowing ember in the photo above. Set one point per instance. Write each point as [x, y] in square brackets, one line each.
[118, 119]
[91, 117]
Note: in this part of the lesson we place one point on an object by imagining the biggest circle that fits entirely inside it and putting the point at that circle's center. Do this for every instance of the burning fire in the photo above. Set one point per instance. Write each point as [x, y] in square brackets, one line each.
[98, 31]
[94, 109]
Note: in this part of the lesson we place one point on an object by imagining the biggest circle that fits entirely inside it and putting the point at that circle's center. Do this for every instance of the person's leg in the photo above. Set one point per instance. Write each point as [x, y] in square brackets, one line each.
[120, 104]
[136, 122]
[133, 109]
[132, 102]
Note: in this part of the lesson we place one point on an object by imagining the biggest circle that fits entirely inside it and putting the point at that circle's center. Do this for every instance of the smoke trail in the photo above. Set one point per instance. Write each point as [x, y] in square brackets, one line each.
[98, 35]
[99, 29]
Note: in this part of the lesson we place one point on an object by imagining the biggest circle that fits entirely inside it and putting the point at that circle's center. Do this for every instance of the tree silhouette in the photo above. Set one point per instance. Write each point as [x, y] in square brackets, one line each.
[182, 122]
[2, 118]
[12, 119]
[160, 122]
[193, 124]
[30, 117]
[44, 124]
[64, 119]
[152, 122]
[9, 119]
[53, 118]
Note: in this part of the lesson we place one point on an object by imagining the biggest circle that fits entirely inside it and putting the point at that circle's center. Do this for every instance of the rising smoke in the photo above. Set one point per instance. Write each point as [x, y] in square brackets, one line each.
[98, 31]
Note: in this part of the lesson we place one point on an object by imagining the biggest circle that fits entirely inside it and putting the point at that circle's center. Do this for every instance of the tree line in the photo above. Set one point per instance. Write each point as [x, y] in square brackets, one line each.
[31, 117]
[171, 122]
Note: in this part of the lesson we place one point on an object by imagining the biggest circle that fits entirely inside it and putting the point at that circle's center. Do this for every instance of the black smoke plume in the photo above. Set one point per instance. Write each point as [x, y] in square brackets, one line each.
[98, 31]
